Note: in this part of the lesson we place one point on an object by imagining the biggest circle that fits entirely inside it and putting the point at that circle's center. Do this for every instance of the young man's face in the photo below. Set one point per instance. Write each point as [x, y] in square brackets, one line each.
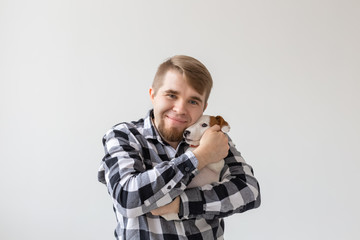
[176, 107]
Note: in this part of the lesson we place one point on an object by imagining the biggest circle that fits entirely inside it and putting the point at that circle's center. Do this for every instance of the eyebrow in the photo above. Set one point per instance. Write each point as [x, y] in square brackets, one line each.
[170, 91]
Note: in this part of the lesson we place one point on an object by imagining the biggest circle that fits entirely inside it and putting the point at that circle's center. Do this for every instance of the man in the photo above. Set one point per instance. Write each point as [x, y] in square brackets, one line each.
[146, 169]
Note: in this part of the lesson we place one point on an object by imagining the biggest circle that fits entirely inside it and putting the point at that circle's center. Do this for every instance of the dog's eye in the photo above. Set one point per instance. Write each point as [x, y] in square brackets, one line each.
[204, 125]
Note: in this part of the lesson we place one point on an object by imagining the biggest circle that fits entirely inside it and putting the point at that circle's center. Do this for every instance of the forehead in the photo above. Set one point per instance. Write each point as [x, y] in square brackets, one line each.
[176, 82]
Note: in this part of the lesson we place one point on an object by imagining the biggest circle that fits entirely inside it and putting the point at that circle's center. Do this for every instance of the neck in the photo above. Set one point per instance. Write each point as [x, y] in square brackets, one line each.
[173, 144]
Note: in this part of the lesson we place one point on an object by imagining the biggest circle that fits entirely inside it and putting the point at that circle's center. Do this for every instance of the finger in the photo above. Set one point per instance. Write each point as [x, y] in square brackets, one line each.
[156, 212]
[215, 128]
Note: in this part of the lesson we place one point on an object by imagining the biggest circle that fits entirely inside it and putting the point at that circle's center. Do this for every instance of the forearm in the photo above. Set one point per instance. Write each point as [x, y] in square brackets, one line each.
[137, 191]
[217, 201]
[237, 192]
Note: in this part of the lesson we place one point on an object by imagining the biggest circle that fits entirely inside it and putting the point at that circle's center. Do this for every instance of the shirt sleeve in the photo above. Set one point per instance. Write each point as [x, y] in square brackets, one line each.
[136, 188]
[238, 191]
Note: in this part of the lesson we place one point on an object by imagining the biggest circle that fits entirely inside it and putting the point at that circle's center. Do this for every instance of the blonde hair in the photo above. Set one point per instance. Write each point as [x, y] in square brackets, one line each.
[196, 74]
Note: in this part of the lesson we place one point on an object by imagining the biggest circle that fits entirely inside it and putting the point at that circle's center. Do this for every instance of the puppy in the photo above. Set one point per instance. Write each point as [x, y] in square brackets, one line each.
[211, 172]
[192, 135]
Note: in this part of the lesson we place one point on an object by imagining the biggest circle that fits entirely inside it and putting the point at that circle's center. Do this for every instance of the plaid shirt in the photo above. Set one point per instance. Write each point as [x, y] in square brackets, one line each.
[142, 172]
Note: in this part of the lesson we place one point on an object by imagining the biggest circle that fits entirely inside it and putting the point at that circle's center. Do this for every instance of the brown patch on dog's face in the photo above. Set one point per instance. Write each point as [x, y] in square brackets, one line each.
[218, 120]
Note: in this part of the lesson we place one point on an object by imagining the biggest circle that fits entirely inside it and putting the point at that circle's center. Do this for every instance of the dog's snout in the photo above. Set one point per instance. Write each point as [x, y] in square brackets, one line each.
[186, 133]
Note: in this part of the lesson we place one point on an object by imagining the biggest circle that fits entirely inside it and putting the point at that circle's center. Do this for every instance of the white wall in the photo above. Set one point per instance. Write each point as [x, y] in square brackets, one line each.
[287, 78]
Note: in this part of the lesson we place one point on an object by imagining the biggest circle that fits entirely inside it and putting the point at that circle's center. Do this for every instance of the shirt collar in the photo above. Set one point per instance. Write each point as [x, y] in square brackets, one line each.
[150, 131]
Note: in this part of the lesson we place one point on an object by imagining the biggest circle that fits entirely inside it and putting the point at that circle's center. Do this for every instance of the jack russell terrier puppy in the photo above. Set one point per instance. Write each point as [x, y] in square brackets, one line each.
[211, 172]
[192, 135]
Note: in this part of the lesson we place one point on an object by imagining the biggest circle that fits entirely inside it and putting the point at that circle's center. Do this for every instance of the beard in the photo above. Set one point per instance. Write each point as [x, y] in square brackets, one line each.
[170, 134]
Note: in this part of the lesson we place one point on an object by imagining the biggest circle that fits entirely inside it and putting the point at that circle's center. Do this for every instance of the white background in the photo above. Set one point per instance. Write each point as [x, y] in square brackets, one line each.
[286, 77]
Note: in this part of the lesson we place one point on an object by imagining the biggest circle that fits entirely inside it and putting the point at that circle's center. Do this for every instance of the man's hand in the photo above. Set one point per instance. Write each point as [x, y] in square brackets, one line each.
[172, 207]
[213, 147]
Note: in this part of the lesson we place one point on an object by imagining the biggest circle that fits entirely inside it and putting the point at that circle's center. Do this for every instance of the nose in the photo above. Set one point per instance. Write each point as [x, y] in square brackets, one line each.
[179, 106]
[186, 133]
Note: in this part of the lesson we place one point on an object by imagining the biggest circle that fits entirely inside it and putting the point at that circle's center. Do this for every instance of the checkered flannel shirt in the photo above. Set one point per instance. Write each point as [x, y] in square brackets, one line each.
[142, 172]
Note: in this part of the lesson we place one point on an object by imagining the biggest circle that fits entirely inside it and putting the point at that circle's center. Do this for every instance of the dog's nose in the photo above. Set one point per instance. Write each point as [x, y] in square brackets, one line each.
[186, 133]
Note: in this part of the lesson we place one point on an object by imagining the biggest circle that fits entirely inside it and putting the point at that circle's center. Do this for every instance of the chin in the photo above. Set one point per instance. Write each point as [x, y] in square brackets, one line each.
[176, 127]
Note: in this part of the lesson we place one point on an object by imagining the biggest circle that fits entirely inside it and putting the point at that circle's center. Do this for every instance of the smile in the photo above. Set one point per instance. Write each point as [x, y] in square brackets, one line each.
[176, 120]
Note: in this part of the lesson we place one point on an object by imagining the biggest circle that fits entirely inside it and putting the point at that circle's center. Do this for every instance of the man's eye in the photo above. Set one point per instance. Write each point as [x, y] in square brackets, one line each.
[204, 125]
[171, 96]
[193, 102]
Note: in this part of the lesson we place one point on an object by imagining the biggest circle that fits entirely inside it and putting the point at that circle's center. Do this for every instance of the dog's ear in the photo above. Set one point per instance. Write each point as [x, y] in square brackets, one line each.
[225, 127]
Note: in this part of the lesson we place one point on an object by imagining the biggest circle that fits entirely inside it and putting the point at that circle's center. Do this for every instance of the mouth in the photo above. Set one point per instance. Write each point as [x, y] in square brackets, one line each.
[176, 120]
[192, 142]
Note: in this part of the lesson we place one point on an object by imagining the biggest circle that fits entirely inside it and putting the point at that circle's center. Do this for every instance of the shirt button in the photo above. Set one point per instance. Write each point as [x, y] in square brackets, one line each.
[187, 169]
[169, 187]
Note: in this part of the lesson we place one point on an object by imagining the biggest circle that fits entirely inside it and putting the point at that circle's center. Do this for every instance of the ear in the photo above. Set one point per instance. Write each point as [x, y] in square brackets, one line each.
[225, 127]
[206, 104]
[152, 94]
